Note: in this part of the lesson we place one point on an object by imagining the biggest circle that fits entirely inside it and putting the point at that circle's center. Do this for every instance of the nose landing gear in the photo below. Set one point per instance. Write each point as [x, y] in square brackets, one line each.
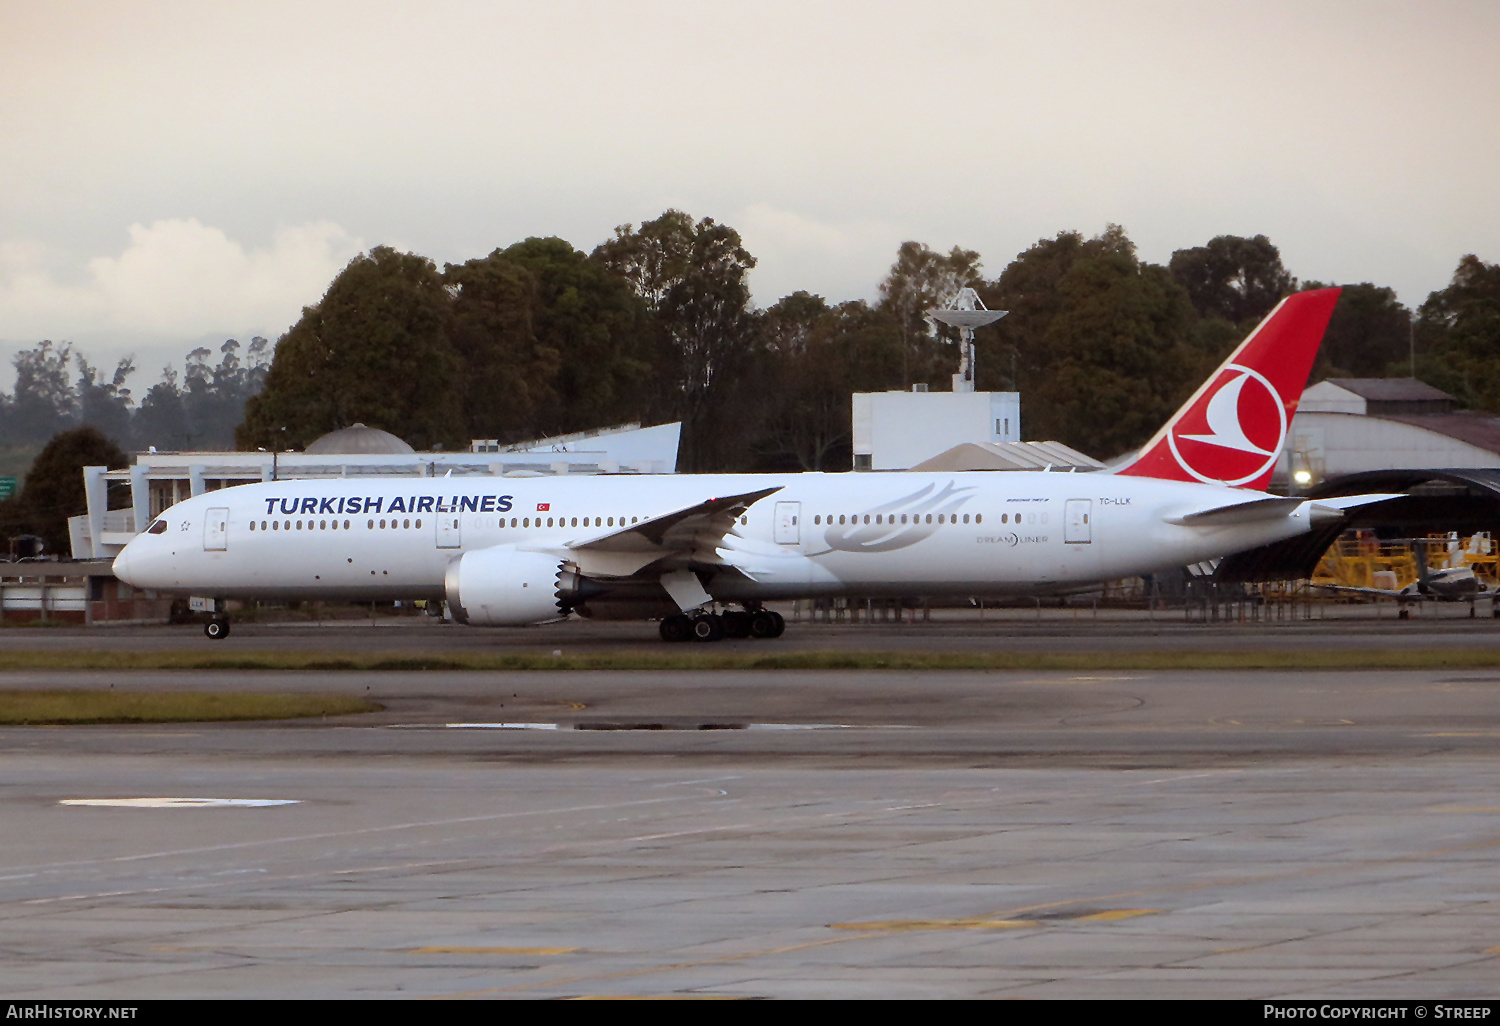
[216, 629]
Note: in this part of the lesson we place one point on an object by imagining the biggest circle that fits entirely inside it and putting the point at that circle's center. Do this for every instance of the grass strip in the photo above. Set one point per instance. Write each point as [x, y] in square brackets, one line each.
[696, 659]
[57, 707]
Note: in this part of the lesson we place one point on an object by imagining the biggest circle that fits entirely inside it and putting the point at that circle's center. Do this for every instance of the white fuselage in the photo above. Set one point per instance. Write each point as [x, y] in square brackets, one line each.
[898, 534]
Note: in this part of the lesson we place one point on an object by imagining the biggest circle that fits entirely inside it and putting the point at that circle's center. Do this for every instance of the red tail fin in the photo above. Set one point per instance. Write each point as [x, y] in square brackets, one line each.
[1232, 429]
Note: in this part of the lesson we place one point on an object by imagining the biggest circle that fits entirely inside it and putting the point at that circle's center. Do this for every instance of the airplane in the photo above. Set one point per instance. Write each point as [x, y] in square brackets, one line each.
[703, 554]
[1447, 584]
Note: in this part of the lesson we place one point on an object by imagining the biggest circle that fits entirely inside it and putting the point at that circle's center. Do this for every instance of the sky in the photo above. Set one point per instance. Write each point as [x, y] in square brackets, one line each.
[173, 174]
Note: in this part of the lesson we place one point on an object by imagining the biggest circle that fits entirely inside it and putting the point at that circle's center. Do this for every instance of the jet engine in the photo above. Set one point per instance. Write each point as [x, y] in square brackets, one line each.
[502, 587]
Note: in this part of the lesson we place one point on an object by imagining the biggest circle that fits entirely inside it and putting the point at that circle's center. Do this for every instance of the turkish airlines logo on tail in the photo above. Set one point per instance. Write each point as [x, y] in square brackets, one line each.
[1234, 432]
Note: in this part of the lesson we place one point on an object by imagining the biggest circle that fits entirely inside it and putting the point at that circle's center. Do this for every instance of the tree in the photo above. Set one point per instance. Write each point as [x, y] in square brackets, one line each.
[106, 404]
[920, 280]
[1102, 344]
[45, 402]
[161, 421]
[214, 398]
[1458, 336]
[1236, 279]
[596, 326]
[819, 356]
[508, 376]
[1369, 335]
[691, 277]
[53, 490]
[375, 350]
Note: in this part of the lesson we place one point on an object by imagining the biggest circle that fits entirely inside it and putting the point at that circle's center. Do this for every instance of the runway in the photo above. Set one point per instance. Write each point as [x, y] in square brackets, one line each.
[769, 834]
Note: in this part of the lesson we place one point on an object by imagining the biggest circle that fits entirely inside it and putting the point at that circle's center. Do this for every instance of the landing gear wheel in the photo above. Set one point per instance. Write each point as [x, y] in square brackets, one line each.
[1404, 614]
[707, 627]
[676, 628]
[736, 624]
[216, 629]
[766, 624]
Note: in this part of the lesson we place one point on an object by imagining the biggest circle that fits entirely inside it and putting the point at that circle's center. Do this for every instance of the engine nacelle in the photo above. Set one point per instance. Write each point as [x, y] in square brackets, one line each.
[501, 587]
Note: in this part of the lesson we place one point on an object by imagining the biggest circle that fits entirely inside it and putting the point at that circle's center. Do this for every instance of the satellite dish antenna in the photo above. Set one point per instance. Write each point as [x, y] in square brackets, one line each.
[966, 313]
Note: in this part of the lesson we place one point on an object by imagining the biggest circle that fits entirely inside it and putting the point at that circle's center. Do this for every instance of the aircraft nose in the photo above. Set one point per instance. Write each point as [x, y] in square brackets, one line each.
[122, 563]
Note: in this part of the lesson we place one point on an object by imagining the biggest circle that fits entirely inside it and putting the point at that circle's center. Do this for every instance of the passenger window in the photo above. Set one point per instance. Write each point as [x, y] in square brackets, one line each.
[151, 529]
[978, 518]
[966, 518]
[419, 525]
[406, 523]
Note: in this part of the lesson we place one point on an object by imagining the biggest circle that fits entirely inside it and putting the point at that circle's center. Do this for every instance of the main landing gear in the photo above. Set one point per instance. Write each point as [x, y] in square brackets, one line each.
[216, 629]
[761, 623]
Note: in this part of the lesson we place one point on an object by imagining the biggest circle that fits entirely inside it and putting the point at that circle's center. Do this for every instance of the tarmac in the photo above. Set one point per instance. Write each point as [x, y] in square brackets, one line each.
[742, 834]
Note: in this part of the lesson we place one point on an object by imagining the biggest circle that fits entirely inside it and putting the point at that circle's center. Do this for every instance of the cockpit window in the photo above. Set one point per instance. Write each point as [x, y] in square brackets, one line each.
[160, 527]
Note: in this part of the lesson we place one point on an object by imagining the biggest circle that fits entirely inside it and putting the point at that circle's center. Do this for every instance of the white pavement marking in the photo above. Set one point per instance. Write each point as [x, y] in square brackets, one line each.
[182, 803]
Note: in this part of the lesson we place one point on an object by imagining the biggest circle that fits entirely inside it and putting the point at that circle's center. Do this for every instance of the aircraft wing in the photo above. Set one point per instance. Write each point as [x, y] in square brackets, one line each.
[683, 531]
[1344, 503]
[1349, 589]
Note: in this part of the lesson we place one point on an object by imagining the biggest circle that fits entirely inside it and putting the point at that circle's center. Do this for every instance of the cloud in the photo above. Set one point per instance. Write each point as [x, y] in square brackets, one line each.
[176, 278]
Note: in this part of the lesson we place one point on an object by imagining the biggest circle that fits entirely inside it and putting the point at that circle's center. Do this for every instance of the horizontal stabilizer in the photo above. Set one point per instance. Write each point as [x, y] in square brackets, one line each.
[1348, 502]
[1272, 508]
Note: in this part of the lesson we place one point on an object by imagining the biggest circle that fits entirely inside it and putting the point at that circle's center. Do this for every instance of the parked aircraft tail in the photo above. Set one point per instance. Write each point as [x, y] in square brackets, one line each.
[1233, 428]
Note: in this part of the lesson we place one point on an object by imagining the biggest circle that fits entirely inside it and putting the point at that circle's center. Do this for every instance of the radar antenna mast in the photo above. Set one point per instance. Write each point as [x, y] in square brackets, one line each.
[966, 313]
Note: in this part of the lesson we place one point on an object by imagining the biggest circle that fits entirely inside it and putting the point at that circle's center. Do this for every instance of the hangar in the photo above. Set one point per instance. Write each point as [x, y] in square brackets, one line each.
[1349, 426]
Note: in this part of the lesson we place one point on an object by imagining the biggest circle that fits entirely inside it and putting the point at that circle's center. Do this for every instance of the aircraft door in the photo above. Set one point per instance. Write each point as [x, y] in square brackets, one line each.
[1076, 516]
[788, 530]
[449, 532]
[216, 530]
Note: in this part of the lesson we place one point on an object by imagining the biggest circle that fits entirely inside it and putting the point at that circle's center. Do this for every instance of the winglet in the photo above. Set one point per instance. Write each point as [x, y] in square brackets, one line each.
[1233, 428]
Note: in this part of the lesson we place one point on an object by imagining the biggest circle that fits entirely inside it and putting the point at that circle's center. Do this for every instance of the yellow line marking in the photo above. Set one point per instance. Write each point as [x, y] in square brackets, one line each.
[1467, 808]
[1116, 914]
[1464, 733]
[447, 949]
[1492, 951]
[893, 925]
[1197, 885]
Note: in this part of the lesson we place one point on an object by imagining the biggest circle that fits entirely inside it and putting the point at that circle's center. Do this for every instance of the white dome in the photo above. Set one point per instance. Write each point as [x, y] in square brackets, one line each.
[357, 439]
